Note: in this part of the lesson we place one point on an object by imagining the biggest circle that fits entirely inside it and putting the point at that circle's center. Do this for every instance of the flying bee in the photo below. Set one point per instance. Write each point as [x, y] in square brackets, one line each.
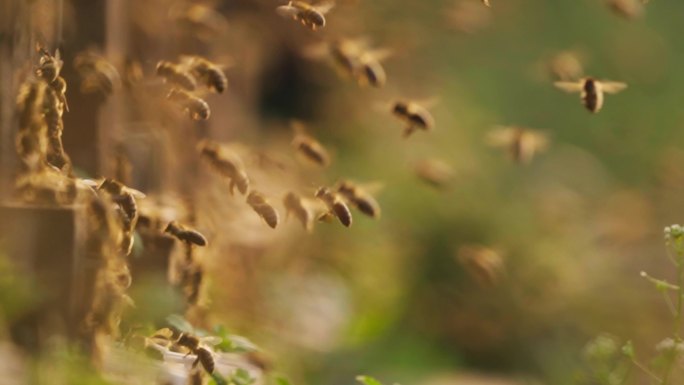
[124, 196]
[416, 116]
[97, 74]
[311, 16]
[296, 205]
[261, 206]
[210, 74]
[522, 143]
[196, 107]
[227, 164]
[628, 9]
[370, 70]
[435, 172]
[176, 74]
[591, 91]
[335, 205]
[566, 65]
[308, 147]
[352, 58]
[359, 197]
[485, 265]
[186, 234]
[49, 66]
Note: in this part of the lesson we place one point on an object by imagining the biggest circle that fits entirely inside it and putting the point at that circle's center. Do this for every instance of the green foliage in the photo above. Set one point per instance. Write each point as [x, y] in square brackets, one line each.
[231, 342]
[368, 380]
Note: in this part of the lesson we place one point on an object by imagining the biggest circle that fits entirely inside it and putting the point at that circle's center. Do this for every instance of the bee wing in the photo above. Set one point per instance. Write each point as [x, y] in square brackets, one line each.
[374, 187]
[500, 136]
[287, 11]
[324, 7]
[568, 86]
[380, 54]
[613, 87]
[137, 194]
[211, 340]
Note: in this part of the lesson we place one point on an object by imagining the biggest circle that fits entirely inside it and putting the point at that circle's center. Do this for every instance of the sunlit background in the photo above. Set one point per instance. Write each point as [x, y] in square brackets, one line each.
[393, 298]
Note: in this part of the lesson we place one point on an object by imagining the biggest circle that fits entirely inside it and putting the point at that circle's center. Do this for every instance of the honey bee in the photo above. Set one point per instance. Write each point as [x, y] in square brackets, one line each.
[186, 234]
[199, 346]
[335, 205]
[49, 66]
[227, 164]
[359, 197]
[125, 197]
[308, 147]
[97, 74]
[628, 9]
[591, 91]
[485, 265]
[566, 65]
[352, 58]
[176, 74]
[196, 107]
[311, 16]
[522, 144]
[370, 69]
[210, 74]
[261, 206]
[414, 115]
[296, 205]
[435, 172]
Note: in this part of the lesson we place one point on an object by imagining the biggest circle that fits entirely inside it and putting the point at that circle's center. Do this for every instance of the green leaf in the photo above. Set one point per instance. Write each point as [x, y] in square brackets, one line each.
[217, 379]
[368, 380]
[280, 380]
[180, 323]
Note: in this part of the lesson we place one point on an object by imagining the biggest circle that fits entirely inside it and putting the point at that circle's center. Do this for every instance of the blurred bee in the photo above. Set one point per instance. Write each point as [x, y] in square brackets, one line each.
[468, 17]
[486, 3]
[359, 197]
[566, 65]
[335, 206]
[201, 20]
[485, 265]
[308, 147]
[416, 116]
[352, 58]
[435, 172]
[49, 66]
[628, 9]
[31, 138]
[125, 197]
[311, 16]
[186, 234]
[198, 346]
[176, 74]
[227, 164]
[210, 74]
[522, 143]
[261, 206]
[296, 205]
[591, 91]
[370, 70]
[97, 74]
[196, 107]
[54, 104]
[59, 85]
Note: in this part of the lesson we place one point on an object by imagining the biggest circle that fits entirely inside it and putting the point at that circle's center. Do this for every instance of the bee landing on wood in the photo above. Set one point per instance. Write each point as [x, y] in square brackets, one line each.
[310, 16]
[592, 91]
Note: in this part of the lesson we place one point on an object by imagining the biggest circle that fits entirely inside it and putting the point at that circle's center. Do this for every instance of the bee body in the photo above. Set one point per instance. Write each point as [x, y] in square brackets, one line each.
[312, 17]
[175, 74]
[592, 91]
[415, 115]
[359, 198]
[185, 234]
[196, 107]
[227, 164]
[263, 208]
[335, 205]
[210, 74]
[295, 204]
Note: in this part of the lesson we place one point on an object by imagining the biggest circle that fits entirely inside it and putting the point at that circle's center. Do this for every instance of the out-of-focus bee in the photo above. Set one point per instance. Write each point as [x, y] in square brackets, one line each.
[352, 58]
[176, 74]
[297, 205]
[629, 9]
[195, 377]
[60, 87]
[566, 66]
[486, 3]
[308, 147]
[125, 197]
[200, 20]
[522, 144]
[199, 346]
[186, 234]
[591, 91]
[370, 70]
[210, 74]
[359, 197]
[335, 205]
[31, 139]
[261, 206]
[97, 74]
[435, 172]
[196, 107]
[311, 16]
[227, 164]
[485, 265]
[468, 17]
[49, 66]
[416, 116]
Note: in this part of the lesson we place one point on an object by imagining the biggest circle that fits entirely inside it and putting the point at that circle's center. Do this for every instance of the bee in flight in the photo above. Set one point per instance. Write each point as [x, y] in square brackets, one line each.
[485, 265]
[176, 74]
[435, 172]
[261, 206]
[311, 16]
[225, 163]
[415, 115]
[522, 143]
[591, 91]
[186, 234]
[97, 74]
[308, 147]
[360, 197]
[209, 73]
[195, 106]
[299, 207]
[336, 207]
[353, 58]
